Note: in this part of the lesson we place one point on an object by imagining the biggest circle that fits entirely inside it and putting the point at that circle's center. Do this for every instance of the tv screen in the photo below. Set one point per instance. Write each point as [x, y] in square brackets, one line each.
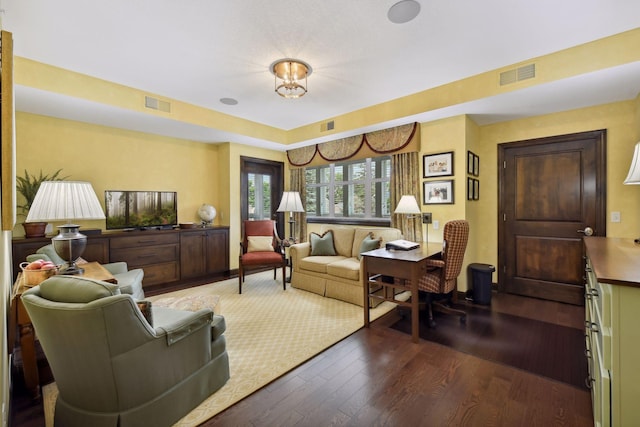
[140, 209]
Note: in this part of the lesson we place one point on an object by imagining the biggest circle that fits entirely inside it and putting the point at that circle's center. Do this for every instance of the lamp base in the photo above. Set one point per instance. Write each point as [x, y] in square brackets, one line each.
[70, 245]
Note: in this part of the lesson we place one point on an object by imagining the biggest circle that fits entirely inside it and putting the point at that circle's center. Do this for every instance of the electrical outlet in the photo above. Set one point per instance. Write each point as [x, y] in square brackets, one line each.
[436, 224]
[426, 218]
[615, 216]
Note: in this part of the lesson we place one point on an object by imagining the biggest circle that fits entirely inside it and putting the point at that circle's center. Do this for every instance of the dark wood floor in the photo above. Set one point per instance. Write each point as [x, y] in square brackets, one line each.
[377, 376]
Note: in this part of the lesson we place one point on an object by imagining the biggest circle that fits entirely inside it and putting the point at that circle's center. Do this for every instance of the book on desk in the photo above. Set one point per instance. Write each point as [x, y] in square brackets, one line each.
[401, 245]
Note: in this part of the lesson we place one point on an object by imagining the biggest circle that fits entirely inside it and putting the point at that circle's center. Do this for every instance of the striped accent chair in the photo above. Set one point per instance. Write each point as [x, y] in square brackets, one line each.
[440, 281]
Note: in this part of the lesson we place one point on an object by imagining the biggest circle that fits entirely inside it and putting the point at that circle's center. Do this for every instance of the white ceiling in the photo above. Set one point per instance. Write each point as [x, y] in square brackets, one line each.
[198, 51]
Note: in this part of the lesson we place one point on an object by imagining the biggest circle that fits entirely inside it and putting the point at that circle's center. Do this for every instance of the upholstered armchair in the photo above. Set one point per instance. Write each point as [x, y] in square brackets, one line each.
[129, 281]
[440, 281]
[260, 248]
[114, 368]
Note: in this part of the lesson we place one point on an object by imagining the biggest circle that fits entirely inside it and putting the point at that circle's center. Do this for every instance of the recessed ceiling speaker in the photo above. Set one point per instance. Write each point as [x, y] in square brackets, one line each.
[403, 11]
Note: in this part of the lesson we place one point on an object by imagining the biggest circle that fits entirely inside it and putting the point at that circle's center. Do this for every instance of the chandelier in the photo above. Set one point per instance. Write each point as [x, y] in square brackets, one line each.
[290, 77]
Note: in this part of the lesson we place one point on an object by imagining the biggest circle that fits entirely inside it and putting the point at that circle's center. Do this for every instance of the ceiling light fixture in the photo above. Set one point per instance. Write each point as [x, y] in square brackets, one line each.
[403, 11]
[290, 77]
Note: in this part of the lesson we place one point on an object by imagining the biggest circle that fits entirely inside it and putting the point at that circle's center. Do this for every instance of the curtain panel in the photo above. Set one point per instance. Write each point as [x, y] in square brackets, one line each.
[405, 179]
[297, 183]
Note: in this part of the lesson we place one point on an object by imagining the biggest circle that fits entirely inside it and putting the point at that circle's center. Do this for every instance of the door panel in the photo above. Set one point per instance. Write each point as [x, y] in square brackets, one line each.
[551, 189]
[261, 185]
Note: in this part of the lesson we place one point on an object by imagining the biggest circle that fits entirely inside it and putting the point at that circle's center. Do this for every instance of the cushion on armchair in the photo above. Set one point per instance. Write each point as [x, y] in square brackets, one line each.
[76, 289]
[260, 243]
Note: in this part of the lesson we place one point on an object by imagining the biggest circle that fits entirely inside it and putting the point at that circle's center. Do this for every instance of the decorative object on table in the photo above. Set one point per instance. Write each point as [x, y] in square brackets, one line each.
[207, 214]
[633, 177]
[290, 77]
[66, 201]
[435, 165]
[438, 192]
[27, 186]
[291, 203]
[35, 272]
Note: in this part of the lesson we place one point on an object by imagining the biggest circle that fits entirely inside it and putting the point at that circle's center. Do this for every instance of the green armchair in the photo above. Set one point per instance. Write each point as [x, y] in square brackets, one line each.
[129, 281]
[112, 367]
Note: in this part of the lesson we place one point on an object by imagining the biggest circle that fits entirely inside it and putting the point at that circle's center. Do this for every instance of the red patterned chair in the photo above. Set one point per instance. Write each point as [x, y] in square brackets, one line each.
[260, 247]
[440, 281]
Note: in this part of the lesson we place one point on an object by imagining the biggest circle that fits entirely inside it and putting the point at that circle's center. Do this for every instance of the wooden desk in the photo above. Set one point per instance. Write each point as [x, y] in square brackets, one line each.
[404, 265]
[20, 324]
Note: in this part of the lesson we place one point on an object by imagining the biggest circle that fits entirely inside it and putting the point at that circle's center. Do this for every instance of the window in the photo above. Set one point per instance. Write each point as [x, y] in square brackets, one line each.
[353, 191]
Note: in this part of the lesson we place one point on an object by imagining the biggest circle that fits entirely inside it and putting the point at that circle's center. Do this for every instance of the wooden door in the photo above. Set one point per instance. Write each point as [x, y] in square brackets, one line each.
[261, 187]
[552, 192]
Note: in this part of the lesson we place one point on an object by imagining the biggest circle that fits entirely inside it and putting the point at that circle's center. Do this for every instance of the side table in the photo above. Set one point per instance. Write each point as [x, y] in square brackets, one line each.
[286, 244]
[20, 324]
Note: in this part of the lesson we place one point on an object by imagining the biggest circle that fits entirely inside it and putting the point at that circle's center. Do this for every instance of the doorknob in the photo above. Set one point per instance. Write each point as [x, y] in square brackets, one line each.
[588, 231]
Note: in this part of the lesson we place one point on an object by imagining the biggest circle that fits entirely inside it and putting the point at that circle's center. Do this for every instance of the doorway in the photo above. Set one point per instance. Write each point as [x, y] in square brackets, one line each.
[261, 187]
[552, 192]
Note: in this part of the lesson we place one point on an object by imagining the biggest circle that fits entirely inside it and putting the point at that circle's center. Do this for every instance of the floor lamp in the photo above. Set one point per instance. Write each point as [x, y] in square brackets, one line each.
[633, 178]
[408, 206]
[291, 203]
[66, 201]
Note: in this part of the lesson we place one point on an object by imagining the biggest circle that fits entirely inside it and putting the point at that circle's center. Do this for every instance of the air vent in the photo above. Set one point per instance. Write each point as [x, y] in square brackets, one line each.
[326, 126]
[518, 74]
[157, 104]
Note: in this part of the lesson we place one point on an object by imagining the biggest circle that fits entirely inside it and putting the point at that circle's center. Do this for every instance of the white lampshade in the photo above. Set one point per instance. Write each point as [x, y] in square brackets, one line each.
[65, 201]
[290, 202]
[634, 171]
[407, 205]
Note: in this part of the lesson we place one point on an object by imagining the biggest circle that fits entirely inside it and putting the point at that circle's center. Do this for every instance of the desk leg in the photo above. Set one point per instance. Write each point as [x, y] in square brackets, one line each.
[29, 359]
[365, 287]
[415, 304]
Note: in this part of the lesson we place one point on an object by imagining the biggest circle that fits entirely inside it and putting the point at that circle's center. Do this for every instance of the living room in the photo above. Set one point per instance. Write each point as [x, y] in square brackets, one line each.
[114, 157]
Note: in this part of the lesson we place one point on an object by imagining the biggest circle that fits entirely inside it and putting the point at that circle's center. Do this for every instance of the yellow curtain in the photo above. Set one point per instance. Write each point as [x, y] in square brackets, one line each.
[405, 179]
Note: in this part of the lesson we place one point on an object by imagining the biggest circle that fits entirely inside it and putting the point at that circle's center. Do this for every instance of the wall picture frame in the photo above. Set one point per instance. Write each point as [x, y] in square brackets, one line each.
[438, 192]
[436, 165]
[470, 188]
[476, 189]
[476, 165]
[470, 161]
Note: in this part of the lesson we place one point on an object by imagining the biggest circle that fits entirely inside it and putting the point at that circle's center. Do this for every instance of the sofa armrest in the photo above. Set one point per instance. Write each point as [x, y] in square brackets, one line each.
[299, 251]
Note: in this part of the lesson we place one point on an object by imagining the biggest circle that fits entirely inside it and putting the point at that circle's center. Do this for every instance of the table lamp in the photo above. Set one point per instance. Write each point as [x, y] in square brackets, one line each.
[291, 203]
[408, 205]
[633, 178]
[66, 201]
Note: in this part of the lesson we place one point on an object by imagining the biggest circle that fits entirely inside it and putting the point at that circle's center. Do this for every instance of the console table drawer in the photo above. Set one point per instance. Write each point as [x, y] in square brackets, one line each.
[137, 257]
[146, 240]
[161, 273]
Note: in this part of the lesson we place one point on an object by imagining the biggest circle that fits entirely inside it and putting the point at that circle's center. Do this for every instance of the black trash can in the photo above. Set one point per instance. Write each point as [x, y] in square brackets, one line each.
[480, 276]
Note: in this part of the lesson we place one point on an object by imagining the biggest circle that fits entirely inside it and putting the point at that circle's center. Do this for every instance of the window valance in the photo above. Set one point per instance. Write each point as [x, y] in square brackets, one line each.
[381, 141]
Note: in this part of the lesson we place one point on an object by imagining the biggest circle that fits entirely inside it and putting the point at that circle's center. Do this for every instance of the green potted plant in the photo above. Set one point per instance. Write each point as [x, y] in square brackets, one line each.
[27, 186]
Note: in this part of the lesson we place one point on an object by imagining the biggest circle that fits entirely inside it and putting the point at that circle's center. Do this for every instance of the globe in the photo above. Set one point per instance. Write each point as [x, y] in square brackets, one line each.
[207, 213]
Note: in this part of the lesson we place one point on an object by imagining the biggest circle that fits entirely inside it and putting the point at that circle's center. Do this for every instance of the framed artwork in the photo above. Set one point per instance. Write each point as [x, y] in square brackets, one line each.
[476, 165]
[470, 188]
[476, 189]
[438, 192]
[470, 162]
[440, 164]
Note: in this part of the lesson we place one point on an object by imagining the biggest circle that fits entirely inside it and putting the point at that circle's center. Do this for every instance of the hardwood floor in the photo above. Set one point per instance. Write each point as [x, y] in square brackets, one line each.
[377, 376]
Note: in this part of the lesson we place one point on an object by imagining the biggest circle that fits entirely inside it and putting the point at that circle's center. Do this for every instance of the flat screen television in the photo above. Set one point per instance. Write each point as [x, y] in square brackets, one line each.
[140, 209]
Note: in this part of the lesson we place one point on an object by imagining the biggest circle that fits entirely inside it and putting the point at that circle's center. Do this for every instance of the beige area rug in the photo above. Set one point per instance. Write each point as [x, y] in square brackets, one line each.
[269, 332]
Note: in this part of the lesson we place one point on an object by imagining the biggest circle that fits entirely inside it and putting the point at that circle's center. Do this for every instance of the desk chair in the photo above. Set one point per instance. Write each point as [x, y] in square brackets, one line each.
[440, 281]
[261, 247]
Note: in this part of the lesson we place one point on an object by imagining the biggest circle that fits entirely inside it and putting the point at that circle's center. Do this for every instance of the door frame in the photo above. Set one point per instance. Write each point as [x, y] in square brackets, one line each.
[601, 186]
[251, 164]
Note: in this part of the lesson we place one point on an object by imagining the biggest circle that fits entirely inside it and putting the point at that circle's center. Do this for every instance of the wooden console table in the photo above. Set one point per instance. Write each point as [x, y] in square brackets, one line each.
[20, 324]
[380, 264]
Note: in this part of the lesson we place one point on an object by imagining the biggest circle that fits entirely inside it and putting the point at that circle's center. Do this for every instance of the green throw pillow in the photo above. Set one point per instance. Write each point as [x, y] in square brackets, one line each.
[322, 245]
[369, 244]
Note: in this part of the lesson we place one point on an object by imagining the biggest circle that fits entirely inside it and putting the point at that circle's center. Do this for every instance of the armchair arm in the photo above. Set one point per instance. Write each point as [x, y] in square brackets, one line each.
[116, 267]
[35, 257]
[435, 263]
[178, 324]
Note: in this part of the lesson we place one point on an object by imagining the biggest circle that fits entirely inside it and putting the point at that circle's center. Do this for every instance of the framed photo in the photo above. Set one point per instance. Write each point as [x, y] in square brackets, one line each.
[470, 161]
[438, 192]
[476, 165]
[470, 188]
[440, 164]
[476, 189]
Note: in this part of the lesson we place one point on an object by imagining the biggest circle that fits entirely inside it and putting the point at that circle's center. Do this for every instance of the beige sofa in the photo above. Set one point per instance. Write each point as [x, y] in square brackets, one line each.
[338, 276]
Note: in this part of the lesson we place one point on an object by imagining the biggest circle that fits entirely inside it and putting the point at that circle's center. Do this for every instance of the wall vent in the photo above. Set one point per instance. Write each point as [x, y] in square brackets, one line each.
[327, 126]
[518, 74]
[157, 104]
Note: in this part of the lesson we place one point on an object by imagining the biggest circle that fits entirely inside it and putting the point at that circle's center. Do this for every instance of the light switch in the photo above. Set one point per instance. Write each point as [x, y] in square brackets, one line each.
[615, 216]
[436, 224]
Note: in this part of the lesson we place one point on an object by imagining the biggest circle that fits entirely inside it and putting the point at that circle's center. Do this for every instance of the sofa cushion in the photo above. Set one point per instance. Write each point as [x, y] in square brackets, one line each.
[369, 243]
[322, 245]
[342, 239]
[348, 268]
[386, 234]
[318, 263]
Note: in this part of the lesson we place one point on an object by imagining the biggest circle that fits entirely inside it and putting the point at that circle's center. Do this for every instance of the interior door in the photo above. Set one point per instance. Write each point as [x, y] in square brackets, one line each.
[261, 184]
[552, 193]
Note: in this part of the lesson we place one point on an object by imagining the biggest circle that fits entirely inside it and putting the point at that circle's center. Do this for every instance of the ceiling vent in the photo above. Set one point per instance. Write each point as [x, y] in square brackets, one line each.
[326, 126]
[518, 74]
[157, 104]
